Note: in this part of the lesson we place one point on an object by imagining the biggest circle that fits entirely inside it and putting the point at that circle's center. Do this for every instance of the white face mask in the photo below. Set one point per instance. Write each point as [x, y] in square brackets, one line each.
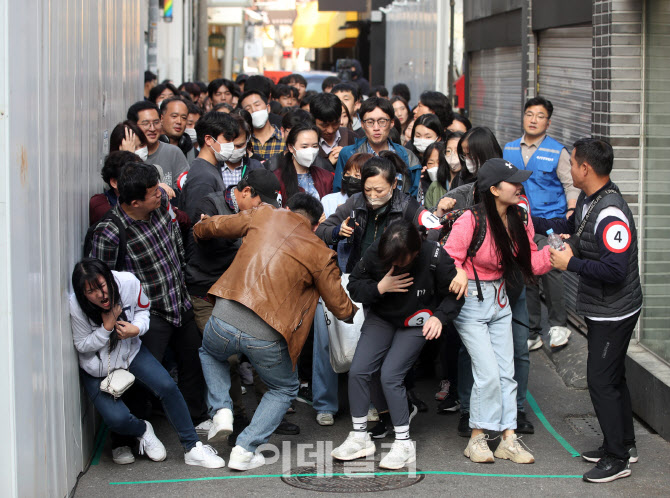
[422, 144]
[142, 153]
[470, 165]
[226, 150]
[454, 163]
[259, 118]
[158, 103]
[237, 155]
[379, 201]
[192, 134]
[432, 174]
[305, 157]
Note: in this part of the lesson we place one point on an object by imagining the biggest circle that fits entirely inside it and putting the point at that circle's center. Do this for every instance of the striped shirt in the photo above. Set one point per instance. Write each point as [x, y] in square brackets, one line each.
[154, 254]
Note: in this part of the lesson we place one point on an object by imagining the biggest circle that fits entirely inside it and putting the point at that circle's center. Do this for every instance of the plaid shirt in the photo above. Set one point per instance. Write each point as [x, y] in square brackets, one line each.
[274, 145]
[154, 254]
[231, 176]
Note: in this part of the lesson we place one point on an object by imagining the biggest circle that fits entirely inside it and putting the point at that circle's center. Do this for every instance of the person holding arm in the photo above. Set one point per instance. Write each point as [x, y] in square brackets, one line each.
[110, 313]
[603, 251]
[485, 321]
[406, 285]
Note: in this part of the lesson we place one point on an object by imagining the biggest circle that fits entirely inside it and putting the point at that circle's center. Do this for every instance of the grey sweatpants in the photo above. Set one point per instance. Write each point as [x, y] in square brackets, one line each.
[384, 355]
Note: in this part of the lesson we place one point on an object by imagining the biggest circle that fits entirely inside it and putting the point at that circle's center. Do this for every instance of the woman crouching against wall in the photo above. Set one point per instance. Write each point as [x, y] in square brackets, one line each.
[110, 312]
[485, 321]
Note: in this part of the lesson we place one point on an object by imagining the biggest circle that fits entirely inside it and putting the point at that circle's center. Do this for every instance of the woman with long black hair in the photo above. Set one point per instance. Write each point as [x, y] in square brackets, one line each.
[297, 171]
[110, 312]
[485, 321]
[404, 283]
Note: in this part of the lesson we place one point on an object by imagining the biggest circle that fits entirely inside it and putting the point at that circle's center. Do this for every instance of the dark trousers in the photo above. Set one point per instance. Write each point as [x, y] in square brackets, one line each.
[185, 340]
[606, 377]
[383, 356]
[450, 344]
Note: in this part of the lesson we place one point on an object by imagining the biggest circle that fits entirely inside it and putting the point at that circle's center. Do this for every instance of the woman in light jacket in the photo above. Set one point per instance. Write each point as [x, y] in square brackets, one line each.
[110, 312]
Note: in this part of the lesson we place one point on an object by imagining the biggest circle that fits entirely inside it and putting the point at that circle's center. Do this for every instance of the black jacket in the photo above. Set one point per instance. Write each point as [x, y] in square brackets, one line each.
[429, 292]
[401, 206]
[205, 178]
[207, 260]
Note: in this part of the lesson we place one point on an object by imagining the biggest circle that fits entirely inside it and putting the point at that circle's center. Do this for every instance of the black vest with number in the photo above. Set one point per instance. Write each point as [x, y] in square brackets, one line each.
[599, 299]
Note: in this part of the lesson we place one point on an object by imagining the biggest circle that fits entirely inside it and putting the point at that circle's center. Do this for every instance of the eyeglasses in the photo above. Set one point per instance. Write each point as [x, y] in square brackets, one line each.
[382, 122]
[149, 124]
[530, 115]
[463, 157]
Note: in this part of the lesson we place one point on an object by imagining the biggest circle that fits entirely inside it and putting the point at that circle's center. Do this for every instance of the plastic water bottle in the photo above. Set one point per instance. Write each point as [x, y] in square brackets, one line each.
[555, 240]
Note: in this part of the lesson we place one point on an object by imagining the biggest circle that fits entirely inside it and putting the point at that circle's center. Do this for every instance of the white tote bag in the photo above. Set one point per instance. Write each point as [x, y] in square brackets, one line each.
[343, 337]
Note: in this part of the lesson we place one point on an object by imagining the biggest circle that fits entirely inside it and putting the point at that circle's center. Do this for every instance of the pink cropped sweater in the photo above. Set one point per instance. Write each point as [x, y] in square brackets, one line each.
[486, 260]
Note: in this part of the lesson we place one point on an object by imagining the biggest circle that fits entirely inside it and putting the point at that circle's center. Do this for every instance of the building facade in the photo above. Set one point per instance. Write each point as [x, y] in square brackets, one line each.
[605, 65]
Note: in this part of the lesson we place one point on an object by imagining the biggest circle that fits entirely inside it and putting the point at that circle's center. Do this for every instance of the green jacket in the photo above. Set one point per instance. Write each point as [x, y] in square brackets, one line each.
[433, 195]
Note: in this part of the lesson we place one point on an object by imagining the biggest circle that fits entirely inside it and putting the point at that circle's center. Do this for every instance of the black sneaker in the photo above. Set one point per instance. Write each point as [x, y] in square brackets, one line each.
[305, 395]
[608, 469]
[379, 431]
[464, 425]
[450, 404]
[286, 428]
[523, 425]
[595, 455]
[411, 395]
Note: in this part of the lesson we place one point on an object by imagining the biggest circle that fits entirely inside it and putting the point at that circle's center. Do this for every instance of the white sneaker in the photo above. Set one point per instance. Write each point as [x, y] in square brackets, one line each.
[373, 416]
[478, 449]
[222, 426]
[357, 445]
[123, 455]
[534, 344]
[203, 427]
[241, 459]
[510, 449]
[323, 418]
[151, 445]
[559, 336]
[402, 452]
[203, 455]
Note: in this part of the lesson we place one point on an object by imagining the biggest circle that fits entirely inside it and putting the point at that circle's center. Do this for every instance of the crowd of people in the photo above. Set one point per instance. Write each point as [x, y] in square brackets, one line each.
[237, 212]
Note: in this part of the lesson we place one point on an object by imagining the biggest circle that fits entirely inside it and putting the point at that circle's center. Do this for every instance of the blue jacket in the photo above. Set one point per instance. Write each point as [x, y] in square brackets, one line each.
[360, 145]
[544, 189]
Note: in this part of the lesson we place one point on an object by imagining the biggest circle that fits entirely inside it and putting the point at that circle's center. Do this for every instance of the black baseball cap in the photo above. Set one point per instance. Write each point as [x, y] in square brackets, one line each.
[498, 170]
[266, 184]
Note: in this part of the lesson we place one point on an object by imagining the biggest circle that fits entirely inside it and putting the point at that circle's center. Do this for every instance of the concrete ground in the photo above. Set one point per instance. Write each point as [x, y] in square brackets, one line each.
[569, 427]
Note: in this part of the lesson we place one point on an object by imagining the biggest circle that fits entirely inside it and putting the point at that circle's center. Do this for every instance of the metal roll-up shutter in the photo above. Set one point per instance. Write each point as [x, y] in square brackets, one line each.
[495, 91]
[565, 78]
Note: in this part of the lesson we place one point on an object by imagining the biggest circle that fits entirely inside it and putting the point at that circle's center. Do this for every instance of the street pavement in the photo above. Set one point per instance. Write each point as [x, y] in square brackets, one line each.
[564, 425]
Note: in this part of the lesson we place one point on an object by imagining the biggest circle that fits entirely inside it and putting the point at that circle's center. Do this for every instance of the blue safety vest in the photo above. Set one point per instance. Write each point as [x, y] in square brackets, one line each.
[543, 188]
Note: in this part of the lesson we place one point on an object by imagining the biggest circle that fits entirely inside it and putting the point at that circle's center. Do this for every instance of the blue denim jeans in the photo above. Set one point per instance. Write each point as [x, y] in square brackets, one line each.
[520, 336]
[272, 362]
[151, 375]
[486, 331]
[324, 378]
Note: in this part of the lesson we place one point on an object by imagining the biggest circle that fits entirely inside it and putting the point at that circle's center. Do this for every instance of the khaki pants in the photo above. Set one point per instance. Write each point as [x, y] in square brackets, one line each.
[203, 311]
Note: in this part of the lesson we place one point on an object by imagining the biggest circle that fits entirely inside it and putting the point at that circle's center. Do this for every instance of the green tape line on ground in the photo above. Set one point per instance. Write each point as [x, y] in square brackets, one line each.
[99, 444]
[358, 474]
[538, 413]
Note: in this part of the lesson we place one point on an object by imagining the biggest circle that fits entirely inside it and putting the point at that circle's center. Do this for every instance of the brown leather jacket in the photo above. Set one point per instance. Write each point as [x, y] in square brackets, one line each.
[280, 270]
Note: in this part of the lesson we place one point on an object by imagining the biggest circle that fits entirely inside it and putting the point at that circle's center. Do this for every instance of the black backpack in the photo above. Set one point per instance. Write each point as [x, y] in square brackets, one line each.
[121, 254]
[478, 237]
